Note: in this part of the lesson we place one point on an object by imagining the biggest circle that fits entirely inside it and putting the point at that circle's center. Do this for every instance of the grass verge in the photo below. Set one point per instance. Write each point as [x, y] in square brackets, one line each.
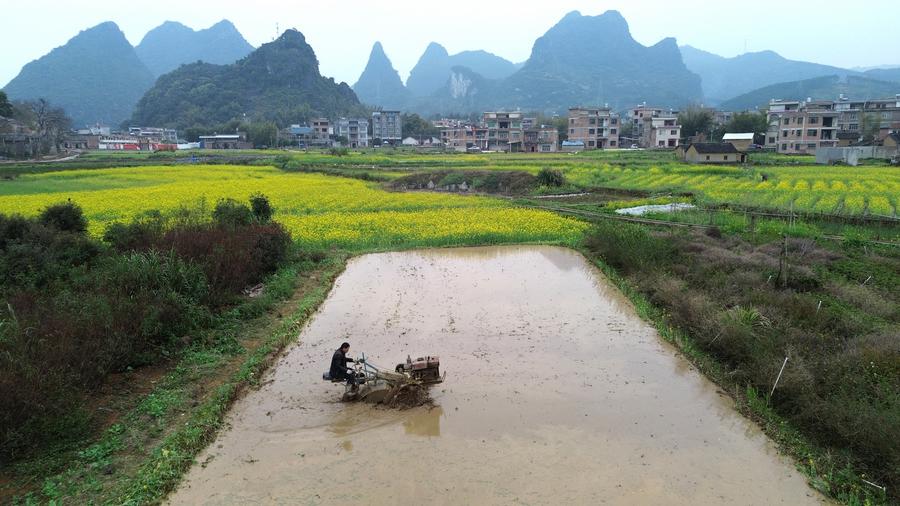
[142, 455]
[826, 472]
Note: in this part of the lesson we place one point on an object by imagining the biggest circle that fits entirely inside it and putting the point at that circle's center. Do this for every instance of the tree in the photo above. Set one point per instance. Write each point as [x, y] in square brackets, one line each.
[262, 134]
[415, 126]
[746, 122]
[50, 123]
[66, 216]
[626, 130]
[695, 120]
[869, 126]
[6, 109]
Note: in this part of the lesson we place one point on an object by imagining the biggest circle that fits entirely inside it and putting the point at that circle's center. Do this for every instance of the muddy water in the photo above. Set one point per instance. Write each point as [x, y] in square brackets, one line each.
[556, 393]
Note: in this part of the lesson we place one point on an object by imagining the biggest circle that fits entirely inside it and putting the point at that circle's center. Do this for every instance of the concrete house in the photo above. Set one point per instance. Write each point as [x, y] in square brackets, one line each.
[541, 140]
[656, 127]
[596, 127]
[387, 127]
[355, 130]
[504, 131]
[711, 152]
[218, 141]
[322, 132]
[802, 127]
[740, 141]
[892, 141]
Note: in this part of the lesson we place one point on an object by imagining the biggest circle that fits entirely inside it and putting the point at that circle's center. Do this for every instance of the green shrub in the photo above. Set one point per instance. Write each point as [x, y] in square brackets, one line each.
[231, 213]
[550, 177]
[261, 207]
[138, 235]
[67, 217]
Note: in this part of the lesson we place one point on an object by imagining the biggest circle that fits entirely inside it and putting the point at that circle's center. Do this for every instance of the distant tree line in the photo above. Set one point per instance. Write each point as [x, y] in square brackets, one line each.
[695, 120]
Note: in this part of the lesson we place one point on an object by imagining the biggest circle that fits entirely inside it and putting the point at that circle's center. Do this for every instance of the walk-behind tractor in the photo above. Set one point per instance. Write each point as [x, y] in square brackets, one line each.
[377, 385]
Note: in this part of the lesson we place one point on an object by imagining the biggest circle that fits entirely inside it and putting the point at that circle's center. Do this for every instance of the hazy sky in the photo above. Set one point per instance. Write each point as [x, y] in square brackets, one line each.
[865, 33]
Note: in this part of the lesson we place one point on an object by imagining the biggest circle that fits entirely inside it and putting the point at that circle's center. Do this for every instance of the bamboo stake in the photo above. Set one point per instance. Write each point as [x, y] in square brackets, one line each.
[777, 380]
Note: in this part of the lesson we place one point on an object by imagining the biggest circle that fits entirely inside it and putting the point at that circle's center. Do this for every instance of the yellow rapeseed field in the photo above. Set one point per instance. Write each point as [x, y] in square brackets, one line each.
[319, 211]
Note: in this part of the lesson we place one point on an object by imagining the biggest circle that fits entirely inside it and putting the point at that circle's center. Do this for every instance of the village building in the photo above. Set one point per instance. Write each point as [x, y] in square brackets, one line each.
[164, 135]
[711, 152]
[321, 132]
[217, 141]
[655, 127]
[81, 142]
[17, 140]
[355, 131]
[892, 141]
[802, 127]
[847, 139]
[740, 141]
[387, 127]
[572, 146]
[544, 139]
[595, 127]
[504, 131]
[464, 138]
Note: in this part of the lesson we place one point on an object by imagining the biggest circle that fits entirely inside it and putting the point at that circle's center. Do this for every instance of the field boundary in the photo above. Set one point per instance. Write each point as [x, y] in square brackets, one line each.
[675, 224]
[813, 461]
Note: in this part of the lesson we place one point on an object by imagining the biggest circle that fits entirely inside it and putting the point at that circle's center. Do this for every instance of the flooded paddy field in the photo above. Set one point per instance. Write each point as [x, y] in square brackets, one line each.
[555, 393]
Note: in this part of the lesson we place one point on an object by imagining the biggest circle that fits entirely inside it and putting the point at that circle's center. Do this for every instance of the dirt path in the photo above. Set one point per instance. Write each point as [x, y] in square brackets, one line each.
[556, 393]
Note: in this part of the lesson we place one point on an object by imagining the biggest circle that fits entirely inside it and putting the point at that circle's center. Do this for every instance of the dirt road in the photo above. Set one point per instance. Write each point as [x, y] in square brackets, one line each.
[556, 393]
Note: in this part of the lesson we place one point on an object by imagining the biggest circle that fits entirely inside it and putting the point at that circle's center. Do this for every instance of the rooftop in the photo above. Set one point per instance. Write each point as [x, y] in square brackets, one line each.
[713, 148]
[738, 137]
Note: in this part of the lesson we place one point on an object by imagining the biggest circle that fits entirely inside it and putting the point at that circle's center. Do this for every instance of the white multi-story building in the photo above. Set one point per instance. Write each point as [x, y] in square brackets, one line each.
[656, 127]
[354, 130]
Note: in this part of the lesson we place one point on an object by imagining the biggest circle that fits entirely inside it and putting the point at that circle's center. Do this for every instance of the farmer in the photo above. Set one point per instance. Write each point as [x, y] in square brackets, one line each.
[339, 369]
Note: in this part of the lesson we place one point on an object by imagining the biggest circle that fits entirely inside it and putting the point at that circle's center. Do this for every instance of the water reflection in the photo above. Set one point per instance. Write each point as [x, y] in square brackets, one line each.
[426, 422]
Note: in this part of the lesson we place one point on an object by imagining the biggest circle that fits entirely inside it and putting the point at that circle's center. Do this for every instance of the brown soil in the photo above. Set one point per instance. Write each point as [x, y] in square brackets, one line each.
[556, 393]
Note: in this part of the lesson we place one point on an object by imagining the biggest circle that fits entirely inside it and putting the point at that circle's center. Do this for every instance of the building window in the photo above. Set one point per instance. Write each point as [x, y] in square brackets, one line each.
[814, 121]
[591, 143]
[612, 143]
[673, 132]
[784, 147]
[726, 158]
[591, 131]
[787, 121]
[707, 157]
[612, 131]
[812, 133]
[572, 131]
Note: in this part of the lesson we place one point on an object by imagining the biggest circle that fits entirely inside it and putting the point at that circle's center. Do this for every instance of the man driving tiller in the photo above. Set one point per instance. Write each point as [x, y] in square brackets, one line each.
[339, 370]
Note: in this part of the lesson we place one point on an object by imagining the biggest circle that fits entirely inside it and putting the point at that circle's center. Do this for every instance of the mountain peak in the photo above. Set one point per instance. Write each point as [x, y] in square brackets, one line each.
[435, 50]
[377, 51]
[224, 25]
[82, 74]
[278, 82]
[291, 36]
[380, 84]
[172, 44]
